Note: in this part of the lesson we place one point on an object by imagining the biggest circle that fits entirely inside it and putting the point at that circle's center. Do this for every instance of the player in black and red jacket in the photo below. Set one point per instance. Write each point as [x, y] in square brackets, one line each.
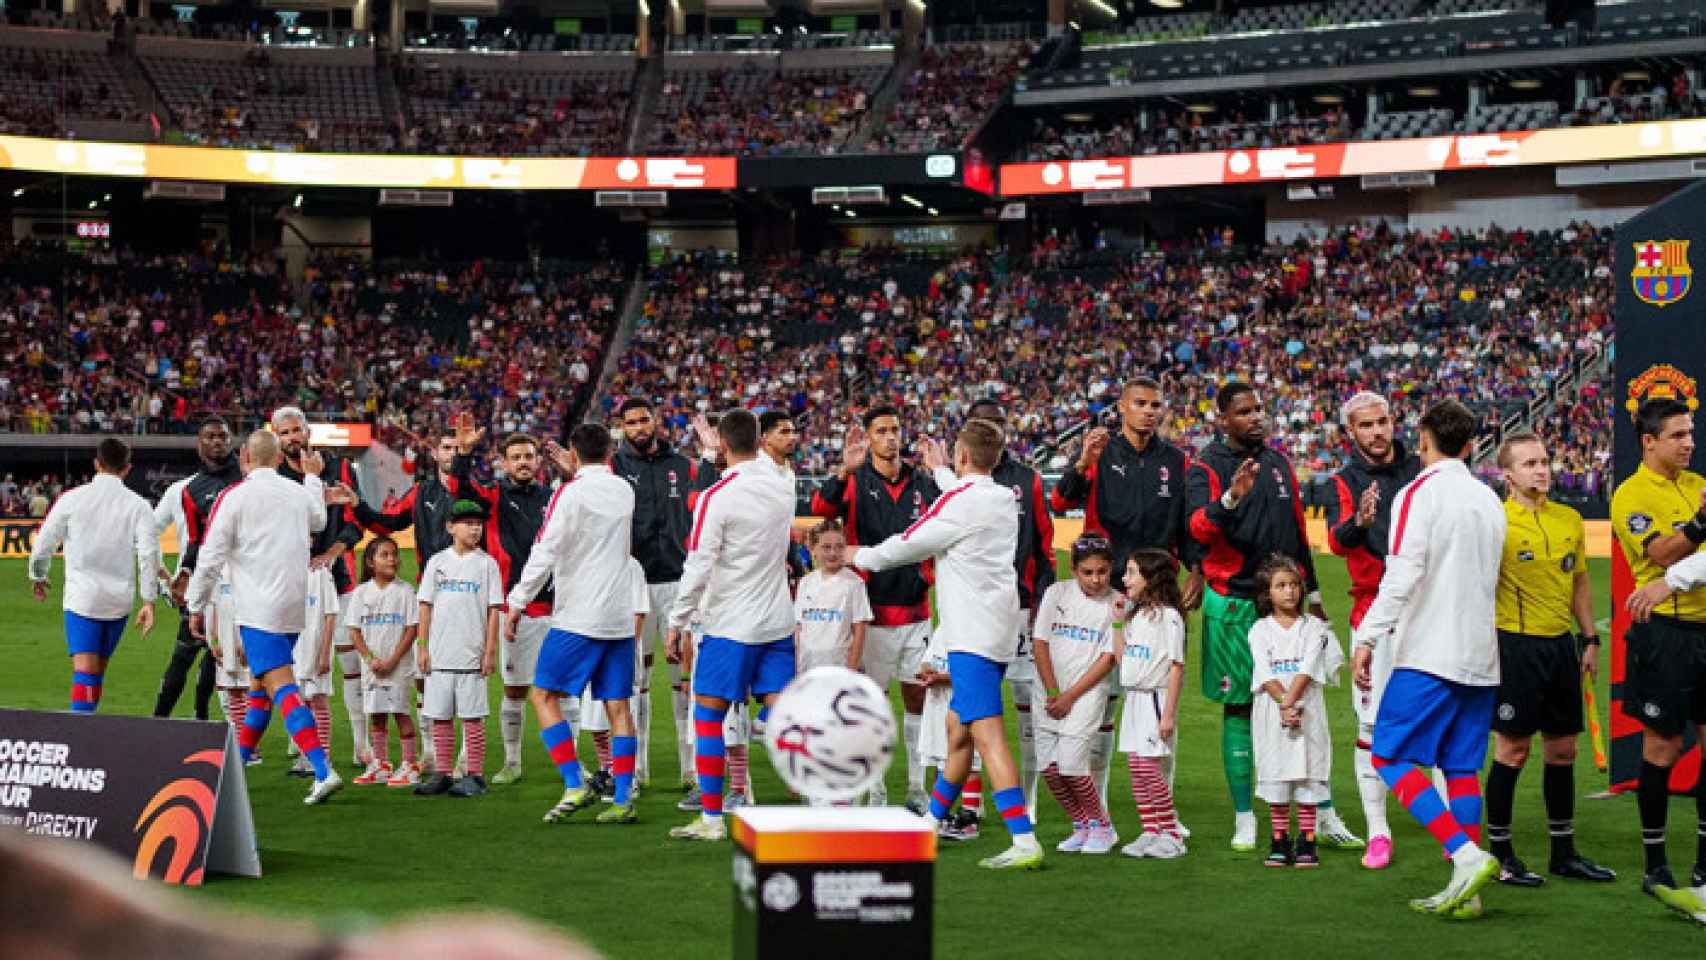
[1359, 515]
[218, 471]
[1131, 486]
[1245, 505]
[515, 513]
[878, 495]
[425, 506]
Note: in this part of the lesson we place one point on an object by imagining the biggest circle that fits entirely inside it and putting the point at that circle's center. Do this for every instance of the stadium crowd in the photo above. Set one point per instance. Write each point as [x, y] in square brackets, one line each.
[149, 344]
[134, 344]
[754, 113]
[1490, 319]
[952, 90]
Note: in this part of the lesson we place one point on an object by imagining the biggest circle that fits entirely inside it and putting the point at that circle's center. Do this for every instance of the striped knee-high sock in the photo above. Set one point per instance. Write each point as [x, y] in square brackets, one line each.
[622, 754]
[299, 722]
[601, 748]
[409, 739]
[738, 781]
[560, 744]
[1280, 815]
[378, 740]
[971, 799]
[1464, 793]
[1306, 820]
[236, 707]
[85, 691]
[475, 733]
[443, 744]
[710, 758]
[1141, 795]
[255, 720]
[943, 795]
[1062, 794]
[1089, 795]
[322, 721]
[1011, 804]
[1416, 792]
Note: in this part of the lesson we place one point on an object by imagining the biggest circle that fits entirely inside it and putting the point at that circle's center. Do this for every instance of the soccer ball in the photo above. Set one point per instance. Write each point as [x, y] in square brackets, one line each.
[831, 734]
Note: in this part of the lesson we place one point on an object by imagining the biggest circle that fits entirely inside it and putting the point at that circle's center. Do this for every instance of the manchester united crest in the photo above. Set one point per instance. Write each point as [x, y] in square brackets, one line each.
[1662, 275]
[1661, 381]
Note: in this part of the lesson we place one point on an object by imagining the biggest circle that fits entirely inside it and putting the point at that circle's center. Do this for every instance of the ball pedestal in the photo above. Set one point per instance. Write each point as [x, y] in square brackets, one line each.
[828, 882]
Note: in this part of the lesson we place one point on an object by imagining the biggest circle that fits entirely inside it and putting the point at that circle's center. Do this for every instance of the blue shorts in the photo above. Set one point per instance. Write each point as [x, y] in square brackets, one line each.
[267, 651]
[1433, 722]
[977, 686]
[99, 637]
[734, 671]
[568, 662]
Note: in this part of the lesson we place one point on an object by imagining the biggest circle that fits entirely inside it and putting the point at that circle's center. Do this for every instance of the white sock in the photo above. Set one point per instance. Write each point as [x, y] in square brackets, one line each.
[678, 701]
[349, 663]
[1373, 792]
[1468, 851]
[914, 763]
[512, 719]
[1102, 748]
[1028, 772]
[643, 735]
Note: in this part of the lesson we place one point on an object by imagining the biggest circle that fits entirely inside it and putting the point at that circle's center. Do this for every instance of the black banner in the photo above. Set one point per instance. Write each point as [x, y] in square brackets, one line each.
[161, 794]
[1661, 352]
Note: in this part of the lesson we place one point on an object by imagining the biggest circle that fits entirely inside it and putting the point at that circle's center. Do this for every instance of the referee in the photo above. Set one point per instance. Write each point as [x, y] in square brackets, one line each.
[1659, 517]
[1543, 585]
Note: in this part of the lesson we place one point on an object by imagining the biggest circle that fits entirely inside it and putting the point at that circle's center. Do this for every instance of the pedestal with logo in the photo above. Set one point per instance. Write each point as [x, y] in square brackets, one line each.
[832, 882]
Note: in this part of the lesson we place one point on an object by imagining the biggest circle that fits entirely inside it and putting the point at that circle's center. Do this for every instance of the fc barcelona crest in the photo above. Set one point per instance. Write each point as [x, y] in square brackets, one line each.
[1662, 275]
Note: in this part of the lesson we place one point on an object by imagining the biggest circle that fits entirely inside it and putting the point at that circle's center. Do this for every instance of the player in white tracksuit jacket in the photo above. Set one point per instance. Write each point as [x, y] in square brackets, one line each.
[262, 529]
[972, 531]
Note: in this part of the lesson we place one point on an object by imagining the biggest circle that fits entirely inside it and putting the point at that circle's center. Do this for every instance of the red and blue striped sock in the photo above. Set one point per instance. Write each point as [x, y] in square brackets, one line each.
[971, 800]
[85, 691]
[299, 722]
[942, 796]
[1464, 791]
[622, 750]
[560, 744]
[255, 720]
[1011, 803]
[1415, 790]
[710, 758]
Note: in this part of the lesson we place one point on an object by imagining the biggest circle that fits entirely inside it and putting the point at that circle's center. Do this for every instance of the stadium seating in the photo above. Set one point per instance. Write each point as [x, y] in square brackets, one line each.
[519, 106]
[764, 104]
[238, 95]
[48, 91]
[951, 93]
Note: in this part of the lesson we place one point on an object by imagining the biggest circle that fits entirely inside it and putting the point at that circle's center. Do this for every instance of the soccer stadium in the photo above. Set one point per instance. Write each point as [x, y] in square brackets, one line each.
[840, 478]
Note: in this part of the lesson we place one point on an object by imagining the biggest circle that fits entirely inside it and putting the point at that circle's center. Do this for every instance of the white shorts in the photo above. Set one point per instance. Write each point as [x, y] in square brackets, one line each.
[737, 725]
[1363, 702]
[455, 693]
[1140, 725]
[1070, 751]
[232, 673]
[1308, 792]
[654, 631]
[1023, 669]
[1084, 720]
[393, 694]
[895, 653]
[517, 659]
[307, 680]
[341, 641]
[822, 657]
[320, 686]
[933, 728]
[594, 718]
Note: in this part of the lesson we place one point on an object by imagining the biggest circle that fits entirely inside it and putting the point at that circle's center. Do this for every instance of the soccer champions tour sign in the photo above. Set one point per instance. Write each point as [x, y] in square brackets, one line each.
[166, 795]
[1660, 352]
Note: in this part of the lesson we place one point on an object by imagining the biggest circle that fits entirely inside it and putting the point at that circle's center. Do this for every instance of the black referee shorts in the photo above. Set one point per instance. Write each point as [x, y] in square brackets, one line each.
[1540, 686]
[1664, 676]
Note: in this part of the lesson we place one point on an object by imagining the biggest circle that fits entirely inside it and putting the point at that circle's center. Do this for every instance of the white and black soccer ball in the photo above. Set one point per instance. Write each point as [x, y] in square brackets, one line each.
[831, 734]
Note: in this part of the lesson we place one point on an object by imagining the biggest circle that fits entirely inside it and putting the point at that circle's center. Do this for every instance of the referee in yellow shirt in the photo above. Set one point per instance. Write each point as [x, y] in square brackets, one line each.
[1543, 586]
[1659, 517]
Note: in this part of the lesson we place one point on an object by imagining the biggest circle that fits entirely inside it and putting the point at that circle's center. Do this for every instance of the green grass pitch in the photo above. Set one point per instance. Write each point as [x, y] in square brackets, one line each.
[374, 854]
